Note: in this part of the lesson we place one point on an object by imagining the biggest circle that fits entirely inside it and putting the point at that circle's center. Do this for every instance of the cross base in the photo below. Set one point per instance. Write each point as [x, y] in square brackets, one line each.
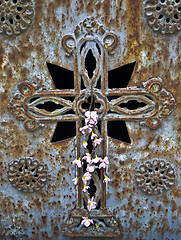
[104, 219]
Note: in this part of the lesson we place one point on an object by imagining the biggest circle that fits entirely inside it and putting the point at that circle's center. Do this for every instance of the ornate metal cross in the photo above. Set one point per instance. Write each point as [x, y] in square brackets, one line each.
[91, 38]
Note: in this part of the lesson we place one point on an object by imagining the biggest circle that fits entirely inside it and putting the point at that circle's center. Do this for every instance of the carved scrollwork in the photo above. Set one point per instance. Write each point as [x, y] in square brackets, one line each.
[86, 29]
[165, 101]
[155, 177]
[68, 43]
[110, 42]
[99, 99]
[15, 16]
[27, 174]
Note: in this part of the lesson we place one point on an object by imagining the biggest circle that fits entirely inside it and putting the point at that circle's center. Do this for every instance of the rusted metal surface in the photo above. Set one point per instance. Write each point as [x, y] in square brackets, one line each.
[26, 131]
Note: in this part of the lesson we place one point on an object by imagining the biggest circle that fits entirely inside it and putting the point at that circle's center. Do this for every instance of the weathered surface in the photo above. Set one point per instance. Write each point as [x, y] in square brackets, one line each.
[41, 214]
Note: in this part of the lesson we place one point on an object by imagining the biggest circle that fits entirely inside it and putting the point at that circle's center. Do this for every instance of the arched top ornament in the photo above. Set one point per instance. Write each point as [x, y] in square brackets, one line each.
[89, 29]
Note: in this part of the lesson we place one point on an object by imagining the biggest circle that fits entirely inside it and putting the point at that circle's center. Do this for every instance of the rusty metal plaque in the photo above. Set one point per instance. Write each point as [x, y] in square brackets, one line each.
[90, 119]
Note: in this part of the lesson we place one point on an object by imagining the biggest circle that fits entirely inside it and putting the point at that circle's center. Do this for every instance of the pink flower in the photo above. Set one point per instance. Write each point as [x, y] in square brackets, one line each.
[87, 158]
[90, 168]
[91, 117]
[85, 188]
[106, 179]
[96, 159]
[86, 221]
[93, 135]
[85, 144]
[78, 163]
[86, 128]
[75, 180]
[91, 204]
[86, 177]
[97, 141]
[104, 162]
[102, 165]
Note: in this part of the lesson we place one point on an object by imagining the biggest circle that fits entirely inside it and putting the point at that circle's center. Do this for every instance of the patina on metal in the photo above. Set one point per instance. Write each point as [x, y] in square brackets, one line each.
[38, 198]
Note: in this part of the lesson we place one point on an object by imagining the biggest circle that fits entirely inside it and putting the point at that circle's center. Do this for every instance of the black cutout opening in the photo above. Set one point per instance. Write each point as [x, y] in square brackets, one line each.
[19, 8]
[11, 20]
[83, 45]
[120, 77]
[167, 20]
[99, 50]
[177, 1]
[2, 19]
[17, 16]
[33, 99]
[49, 106]
[132, 105]
[98, 205]
[179, 8]
[99, 83]
[160, 16]
[62, 77]
[158, 8]
[82, 84]
[64, 130]
[14, 1]
[118, 130]
[162, 1]
[89, 146]
[176, 16]
[90, 63]
[92, 189]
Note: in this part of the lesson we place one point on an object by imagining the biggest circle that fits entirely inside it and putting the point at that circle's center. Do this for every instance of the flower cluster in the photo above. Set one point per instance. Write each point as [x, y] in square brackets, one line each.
[91, 160]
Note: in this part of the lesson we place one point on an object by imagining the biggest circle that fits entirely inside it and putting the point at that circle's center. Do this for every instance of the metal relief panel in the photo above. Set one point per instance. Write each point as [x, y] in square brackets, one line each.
[55, 56]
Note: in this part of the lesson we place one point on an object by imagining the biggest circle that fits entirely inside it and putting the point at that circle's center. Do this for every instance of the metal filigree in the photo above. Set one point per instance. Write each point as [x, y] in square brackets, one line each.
[164, 16]
[158, 104]
[27, 174]
[91, 41]
[15, 16]
[155, 177]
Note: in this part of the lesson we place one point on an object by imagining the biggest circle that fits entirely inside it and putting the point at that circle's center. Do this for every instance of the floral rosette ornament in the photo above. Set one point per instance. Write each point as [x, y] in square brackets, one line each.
[90, 161]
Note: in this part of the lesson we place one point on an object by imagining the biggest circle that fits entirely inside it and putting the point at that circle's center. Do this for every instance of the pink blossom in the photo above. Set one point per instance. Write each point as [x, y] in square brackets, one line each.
[97, 141]
[91, 204]
[91, 168]
[91, 117]
[105, 160]
[87, 158]
[85, 144]
[93, 135]
[86, 221]
[106, 179]
[85, 188]
[78, 163]
[96, 159]
[86, 177]
[75, 180]
[102, 165]
[86, 128]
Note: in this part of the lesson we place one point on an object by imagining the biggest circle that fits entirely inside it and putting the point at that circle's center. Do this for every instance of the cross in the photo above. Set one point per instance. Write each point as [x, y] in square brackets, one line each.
[92, 42]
